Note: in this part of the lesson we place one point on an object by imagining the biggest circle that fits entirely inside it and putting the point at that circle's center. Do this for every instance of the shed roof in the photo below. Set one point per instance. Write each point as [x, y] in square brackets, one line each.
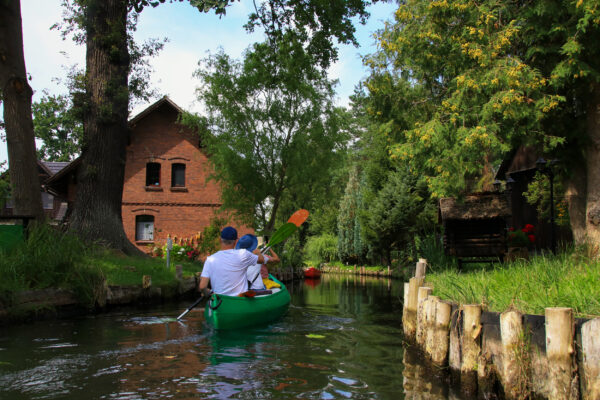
[486, 205]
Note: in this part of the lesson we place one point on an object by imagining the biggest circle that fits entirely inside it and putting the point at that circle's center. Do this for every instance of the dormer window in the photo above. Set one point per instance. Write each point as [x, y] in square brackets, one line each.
[152, 174]
[178, 175]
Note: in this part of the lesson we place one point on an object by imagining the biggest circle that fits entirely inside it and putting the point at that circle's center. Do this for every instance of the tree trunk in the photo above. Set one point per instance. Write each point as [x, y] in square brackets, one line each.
[593, 168]
[97, 212]
[575, 195]
[15, 89]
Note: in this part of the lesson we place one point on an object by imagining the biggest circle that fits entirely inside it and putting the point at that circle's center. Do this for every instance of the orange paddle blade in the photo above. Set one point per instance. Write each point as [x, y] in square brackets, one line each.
[299, 217]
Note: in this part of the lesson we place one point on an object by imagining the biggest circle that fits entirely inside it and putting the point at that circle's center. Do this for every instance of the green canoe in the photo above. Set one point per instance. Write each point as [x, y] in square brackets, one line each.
[232, 312]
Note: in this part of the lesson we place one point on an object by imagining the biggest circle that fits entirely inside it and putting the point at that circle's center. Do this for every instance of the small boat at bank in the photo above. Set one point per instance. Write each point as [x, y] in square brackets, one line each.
[233, 312]
[312, 273]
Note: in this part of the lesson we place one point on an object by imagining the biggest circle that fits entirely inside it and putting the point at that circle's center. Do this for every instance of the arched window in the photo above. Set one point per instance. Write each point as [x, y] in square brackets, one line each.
[144, 227]
[152, 174]
[178, 175]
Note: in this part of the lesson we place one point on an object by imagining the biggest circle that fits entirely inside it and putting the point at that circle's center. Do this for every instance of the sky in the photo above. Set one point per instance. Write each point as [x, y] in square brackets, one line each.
[192, 35]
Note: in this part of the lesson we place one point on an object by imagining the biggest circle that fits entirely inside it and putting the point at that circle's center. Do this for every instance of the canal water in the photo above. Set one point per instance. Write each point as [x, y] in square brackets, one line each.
[341, 339]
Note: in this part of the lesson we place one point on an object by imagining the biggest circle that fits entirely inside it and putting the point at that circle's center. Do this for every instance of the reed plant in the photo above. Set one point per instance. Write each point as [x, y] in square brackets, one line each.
[569, 279]
[51, 258]
[48, 258]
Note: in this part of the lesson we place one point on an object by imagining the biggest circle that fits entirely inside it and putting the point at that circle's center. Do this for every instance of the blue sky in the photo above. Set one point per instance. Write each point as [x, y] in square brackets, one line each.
[191, 36]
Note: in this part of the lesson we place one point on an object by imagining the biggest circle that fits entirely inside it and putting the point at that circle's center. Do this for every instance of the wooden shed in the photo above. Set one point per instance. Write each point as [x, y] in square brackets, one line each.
[475, 227]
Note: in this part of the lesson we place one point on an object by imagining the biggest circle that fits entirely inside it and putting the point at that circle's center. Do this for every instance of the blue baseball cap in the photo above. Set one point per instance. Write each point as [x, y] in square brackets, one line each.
[248, 242]
[229, 233]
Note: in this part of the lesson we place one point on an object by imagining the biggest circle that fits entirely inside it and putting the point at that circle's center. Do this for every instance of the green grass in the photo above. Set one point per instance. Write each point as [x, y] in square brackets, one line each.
[125, 270]
[52, 258]
[566, 280]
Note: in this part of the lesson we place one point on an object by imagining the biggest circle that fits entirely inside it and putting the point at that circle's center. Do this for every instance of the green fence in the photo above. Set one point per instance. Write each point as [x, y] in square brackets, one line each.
[10, 236]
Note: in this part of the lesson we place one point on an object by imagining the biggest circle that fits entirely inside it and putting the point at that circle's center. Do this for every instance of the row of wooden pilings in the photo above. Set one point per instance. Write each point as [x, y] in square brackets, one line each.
[555, 356]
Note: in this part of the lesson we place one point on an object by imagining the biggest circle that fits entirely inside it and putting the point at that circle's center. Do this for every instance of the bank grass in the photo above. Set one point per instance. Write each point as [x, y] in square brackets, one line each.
[569, 279]
[51, 258]
[120, 269]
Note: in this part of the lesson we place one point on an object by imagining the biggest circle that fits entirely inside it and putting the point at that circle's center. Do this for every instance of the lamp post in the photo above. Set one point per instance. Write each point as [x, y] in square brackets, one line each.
[545, 168]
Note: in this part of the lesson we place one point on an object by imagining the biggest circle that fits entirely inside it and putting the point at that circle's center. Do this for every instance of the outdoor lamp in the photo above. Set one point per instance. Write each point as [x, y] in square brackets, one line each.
[541, 164]
[546, 168]
[510, 183]
[497, 185]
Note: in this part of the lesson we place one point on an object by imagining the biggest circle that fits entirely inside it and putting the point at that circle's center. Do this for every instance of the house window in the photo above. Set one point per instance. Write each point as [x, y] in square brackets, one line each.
[153, 174]
[178, 175]
[47, 201]
[144, 227]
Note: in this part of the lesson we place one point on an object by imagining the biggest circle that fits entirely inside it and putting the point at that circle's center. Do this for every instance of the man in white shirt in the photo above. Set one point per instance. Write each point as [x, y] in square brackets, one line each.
[226, 269]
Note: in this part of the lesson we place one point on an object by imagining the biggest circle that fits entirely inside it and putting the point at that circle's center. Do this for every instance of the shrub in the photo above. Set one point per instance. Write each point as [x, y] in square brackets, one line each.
[322, 248]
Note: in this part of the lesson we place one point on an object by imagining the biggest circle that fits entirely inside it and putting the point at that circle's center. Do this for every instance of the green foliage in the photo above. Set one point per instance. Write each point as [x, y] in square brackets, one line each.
[351, 246]
[56, 124]
[48, 258]
[480, 78]
[538, 194]
[271, 129]
[566, 280]
[322, 248]
[395, 213]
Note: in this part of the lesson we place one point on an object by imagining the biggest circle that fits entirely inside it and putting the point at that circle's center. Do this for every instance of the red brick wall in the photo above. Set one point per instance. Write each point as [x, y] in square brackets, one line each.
[158, 138]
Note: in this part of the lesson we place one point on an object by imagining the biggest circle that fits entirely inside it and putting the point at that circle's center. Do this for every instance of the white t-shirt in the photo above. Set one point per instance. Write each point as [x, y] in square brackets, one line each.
[226, 270]
[255, 278]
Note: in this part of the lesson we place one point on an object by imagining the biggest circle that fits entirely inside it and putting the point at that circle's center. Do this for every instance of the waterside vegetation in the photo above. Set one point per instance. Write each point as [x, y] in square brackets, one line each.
[50, 258]
[568, 279]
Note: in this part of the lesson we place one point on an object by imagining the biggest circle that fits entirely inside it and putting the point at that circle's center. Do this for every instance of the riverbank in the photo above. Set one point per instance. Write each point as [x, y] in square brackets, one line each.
[554, 355]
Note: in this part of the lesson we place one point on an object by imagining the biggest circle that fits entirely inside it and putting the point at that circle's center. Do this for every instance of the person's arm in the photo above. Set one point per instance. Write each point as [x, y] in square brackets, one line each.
[203, 286]
[273, 258]
[261, 257]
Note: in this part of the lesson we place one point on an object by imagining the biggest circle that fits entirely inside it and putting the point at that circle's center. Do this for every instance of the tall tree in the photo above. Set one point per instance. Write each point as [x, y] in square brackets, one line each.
[97, 213]
[16, 95]
[497, 75]
[271, 123]
[58, 126]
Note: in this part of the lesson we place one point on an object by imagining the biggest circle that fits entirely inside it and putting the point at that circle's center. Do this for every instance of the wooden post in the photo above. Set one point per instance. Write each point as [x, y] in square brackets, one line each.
[560, 332]
[454, 349]
[179, 272]
[470, 344]
[424, 292]
[146, 281]
[590, 346]
[410, 321]
[430, 306]
[421, 267]
[439, 355]
[513, 379]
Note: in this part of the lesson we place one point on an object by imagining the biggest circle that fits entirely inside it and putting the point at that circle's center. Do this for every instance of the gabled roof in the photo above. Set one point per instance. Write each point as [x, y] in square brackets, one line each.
[153, 107]
[54, 167]
[484, 205]
[64, 171]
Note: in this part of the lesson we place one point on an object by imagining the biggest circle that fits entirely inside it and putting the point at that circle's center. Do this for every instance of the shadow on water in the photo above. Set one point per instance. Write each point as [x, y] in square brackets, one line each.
[340, 339]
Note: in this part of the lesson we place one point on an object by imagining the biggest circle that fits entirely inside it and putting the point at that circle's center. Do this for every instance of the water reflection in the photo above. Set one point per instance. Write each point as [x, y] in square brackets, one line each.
[340, 339]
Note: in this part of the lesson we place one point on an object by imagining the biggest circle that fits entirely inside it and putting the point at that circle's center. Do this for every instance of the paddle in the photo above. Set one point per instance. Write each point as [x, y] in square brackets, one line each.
[192, 306]
[287, 229]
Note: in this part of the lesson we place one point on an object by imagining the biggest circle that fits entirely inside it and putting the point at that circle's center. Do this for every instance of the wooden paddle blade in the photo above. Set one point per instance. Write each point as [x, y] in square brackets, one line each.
[282, 233]
[299, 217]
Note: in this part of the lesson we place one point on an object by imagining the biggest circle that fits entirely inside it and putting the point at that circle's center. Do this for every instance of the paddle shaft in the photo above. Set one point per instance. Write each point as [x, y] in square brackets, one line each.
[190, 307]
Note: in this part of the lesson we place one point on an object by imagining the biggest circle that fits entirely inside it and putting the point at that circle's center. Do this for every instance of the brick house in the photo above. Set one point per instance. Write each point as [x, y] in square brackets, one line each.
[166, 188]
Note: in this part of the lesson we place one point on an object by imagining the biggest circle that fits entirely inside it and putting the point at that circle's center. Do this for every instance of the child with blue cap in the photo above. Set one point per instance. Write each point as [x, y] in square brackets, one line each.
[255, 278]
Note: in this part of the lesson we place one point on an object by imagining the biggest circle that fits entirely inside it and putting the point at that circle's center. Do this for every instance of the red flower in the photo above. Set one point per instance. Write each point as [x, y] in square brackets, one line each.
[528, 228]
[531, 238]
[511, 229]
